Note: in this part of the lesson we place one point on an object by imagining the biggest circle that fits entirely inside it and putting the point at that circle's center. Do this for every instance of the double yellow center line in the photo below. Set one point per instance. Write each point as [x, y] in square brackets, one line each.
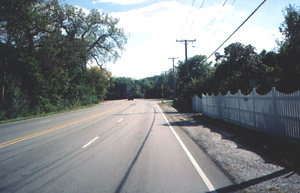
[7, 143]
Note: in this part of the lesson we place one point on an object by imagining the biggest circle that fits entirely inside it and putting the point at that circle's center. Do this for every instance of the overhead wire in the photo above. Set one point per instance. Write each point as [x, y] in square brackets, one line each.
[225, 16]
[227, 12]
[187, 16]
[214, 19]
[236, 30]
[197, 13]
[190, 11]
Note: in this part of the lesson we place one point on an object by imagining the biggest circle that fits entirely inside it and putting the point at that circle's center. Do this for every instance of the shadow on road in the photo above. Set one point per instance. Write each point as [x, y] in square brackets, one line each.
[136, 156]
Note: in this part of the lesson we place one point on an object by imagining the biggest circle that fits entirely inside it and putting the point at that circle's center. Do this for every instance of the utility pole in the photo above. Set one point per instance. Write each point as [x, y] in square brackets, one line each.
[162, 92]
[173, 79]
[186, 58]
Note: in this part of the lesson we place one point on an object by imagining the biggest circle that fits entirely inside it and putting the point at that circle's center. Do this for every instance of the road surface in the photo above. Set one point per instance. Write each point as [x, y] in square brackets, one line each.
[119, 146]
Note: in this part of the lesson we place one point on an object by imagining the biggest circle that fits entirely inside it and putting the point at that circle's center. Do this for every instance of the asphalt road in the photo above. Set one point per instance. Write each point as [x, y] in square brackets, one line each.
[119, 146]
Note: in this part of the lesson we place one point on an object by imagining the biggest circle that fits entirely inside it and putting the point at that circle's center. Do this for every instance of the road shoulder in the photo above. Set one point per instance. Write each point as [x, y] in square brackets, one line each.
[217, 177]
[252, 170]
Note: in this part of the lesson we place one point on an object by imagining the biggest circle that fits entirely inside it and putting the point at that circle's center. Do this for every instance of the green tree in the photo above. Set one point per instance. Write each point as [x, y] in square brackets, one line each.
[289, 52]
[196, 83]
[99, 81]
[45, 48]
[241, 68]
[270, 59]
[121, 88]
[102, 38]
[157, 86]
[22, 24]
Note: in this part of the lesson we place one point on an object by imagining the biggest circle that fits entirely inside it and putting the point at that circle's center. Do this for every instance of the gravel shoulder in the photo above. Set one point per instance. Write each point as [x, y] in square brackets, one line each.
[256, 162]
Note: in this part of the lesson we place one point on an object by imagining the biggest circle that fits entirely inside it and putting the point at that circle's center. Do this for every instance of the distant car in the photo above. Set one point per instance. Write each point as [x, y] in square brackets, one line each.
[130, 98]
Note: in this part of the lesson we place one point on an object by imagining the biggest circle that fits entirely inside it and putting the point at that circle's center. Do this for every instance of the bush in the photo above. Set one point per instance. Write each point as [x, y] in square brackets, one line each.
[15, 102]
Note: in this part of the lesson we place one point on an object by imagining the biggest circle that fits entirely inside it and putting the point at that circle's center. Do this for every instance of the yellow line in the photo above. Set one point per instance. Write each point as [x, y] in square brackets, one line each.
[7, 143]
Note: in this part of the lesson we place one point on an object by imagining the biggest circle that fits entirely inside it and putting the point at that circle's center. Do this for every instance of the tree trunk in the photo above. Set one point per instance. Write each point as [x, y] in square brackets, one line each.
[3, 87]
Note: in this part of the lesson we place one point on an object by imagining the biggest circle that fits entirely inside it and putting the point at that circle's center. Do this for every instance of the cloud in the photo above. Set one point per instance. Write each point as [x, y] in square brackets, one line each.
[86, 11]
[155, 28]
[152, 32]
[122, 2]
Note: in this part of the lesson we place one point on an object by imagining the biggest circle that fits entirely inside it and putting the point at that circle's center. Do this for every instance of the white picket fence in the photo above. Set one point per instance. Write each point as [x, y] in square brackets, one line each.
[275, 113]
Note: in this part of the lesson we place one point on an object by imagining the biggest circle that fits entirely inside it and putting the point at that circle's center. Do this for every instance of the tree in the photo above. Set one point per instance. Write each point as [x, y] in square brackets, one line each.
[289, 52]
[241, 68]
[99, 81]
[120, 88]
[45, 48]
[24, 22]
[22, 25]
[101, 37]
[270, 59]
[196, 83]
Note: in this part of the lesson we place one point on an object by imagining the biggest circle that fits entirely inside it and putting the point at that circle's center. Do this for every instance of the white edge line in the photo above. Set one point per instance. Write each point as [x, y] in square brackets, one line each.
[208, 184]
[89, 143]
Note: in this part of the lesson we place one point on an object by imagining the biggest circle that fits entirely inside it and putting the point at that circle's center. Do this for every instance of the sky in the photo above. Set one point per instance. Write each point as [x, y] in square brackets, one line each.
[154, 26]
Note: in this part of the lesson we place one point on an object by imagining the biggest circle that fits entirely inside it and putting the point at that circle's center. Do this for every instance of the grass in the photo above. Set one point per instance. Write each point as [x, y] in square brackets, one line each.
[169, 103]
[47, 114]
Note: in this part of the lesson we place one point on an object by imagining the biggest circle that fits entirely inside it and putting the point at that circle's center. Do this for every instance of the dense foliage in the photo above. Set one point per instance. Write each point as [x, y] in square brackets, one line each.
[242, 68]
[155, 87]
[45, 48]
[288, 58]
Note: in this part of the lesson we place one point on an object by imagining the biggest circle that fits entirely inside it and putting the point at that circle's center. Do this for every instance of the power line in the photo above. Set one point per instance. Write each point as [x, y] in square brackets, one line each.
[187, 16]
[227, 12]
[214, 19]
[236, 29]
[224, 17]
[197, 13]
[190, 11]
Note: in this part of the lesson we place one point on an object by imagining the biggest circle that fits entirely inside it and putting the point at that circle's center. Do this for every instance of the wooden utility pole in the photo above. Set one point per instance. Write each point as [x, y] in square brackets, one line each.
[174, 93]
[186, 58]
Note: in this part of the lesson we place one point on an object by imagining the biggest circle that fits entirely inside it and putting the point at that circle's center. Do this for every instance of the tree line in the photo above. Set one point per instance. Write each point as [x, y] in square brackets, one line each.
[149, 88]
[242, 68]
[239, 68]
[45, 48]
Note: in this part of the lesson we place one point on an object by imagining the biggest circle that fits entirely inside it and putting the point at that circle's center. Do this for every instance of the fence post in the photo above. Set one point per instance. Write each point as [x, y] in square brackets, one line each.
[275, 114]
[198, 104]
[201, 104]
[239, 105]
[193, 103]
[254, 109]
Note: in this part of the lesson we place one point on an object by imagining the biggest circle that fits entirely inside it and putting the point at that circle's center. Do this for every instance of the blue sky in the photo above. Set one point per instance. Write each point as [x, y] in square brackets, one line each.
[154, 26]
